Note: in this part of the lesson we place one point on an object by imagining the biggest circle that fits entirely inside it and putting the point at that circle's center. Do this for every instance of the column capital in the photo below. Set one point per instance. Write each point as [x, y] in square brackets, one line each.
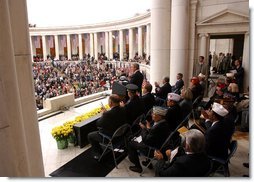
[247, 33]
[203, 35]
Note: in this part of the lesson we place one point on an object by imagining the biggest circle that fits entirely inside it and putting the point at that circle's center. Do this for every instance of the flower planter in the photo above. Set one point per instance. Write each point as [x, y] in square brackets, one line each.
[62, 144]
[71, 139]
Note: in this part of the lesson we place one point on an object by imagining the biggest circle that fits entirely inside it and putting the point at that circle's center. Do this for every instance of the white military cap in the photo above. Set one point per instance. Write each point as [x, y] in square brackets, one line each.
[174, 97]
[219, 109]
[201, 75]
[162, 111]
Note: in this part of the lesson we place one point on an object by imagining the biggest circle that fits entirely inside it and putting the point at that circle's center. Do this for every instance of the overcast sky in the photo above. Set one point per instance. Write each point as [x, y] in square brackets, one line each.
[45, 13]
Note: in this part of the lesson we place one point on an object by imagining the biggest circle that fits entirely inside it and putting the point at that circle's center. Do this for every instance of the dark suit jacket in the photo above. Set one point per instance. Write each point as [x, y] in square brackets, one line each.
[137, 79]
[186, 107]
[187, 165]
[218, 139]
[177, 87]
[163, 91]
[111, 120]
[134, 108]
[156, 135]
[174, 116]
[148, 101]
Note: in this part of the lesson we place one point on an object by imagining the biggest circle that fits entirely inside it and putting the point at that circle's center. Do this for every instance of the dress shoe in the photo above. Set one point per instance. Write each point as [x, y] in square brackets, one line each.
[246, 165]
[145, 163]
[135, 169]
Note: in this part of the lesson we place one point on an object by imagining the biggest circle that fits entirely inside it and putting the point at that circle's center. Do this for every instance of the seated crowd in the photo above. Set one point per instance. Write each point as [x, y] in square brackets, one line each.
[164, 112]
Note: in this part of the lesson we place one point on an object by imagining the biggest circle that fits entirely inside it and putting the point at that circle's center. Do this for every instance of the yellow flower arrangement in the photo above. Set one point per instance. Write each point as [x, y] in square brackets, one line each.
[65, 130]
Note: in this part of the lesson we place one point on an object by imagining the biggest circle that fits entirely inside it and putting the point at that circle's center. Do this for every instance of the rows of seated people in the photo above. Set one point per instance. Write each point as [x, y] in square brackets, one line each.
[56, 78]
[209, 134]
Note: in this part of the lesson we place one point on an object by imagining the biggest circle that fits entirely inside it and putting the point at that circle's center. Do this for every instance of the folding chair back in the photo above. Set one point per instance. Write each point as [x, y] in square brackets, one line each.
[117, 142]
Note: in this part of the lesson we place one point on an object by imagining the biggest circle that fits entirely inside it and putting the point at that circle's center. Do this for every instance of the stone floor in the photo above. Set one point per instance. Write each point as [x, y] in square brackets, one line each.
[54, 158]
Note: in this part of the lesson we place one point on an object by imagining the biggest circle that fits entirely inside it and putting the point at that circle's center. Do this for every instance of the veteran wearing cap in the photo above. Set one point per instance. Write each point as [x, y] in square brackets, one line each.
[134, 106]
[218, 136]
[151, 136]
[174, 113]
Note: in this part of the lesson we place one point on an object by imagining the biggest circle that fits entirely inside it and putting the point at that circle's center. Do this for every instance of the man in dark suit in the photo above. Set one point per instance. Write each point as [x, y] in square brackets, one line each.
[147, 97]
[190, 162]
[137, 77]
[134, 106]
[179, 84]
[109, 122]
[174, 113]
[153, 136]
[218, 135]
[162, 92]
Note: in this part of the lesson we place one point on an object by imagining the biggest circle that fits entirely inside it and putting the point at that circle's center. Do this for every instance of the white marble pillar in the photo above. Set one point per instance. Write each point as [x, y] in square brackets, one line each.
[121, 44]
[80, 47]
[179, 39]
[192, 40]
[203, 45]
[31, 47]
[68, 46]
[44, 49]
[147, 41]
[106, 45]
[95, 46]
[131, 54]
[140, 43]
[91, 45]
[56, 47]
[160, 40]
[246, 61]
[110, 45]
[20, 154]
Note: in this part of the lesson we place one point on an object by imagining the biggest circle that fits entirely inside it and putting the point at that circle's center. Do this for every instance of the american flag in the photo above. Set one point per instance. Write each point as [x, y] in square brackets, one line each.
[51, 42]
[37, 42]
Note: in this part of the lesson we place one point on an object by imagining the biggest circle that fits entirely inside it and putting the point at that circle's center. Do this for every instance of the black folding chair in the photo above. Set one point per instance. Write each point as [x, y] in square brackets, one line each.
[135, 128]
[165, 144]
[117, 142]
[223, 163]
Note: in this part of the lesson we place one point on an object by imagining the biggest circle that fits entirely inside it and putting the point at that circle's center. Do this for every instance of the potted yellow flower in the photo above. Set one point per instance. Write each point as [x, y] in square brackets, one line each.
[61, 133]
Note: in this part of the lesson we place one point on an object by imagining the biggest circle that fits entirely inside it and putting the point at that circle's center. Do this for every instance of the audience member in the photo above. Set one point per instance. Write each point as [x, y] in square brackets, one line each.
[107, 124]
[152, 136]
[192, 163]
[179, 84]
[147, 97]
[186, 102]
[174, 114]
[162, 92]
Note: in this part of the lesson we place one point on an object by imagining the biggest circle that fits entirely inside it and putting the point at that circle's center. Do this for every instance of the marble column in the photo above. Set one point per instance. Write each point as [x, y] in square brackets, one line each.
[110, 45]
[106, 45]
[31, 47]
[147, 41]
[91, 45]
[203, 45]
[95, 46]
[56, 47]
[179, 39]
[140, 43]
[44, 49]
[131, 55]
[68, 46]
[246, 61]
[192, 40]
[121, 44]
[20, 154]
[80, 47]
[160, 40]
